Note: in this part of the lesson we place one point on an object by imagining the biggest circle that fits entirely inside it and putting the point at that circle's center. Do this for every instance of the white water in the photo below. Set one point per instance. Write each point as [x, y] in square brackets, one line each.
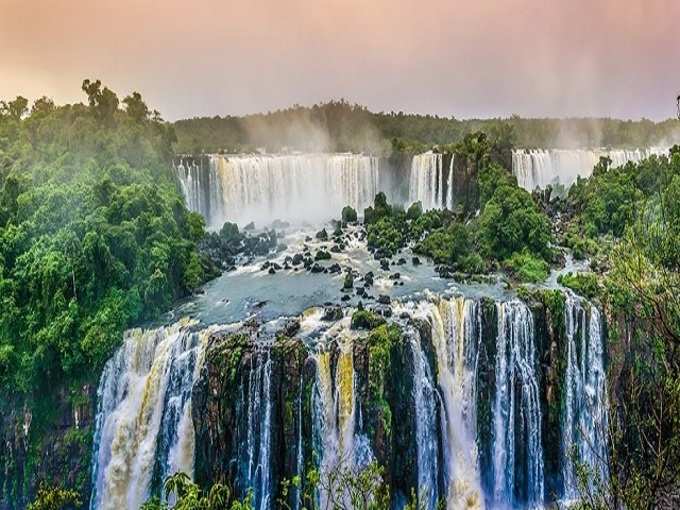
[537, 168]
[516, 365]
[426, 181]
[425, 397]
[293, 187]
[143, 424]
[584, 421]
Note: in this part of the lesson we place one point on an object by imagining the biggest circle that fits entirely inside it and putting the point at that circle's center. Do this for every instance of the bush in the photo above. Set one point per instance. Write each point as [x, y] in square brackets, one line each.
[584, 284]
[527, 268]
[365, 319]
[349, 215]
[511, 222]
[414, 211]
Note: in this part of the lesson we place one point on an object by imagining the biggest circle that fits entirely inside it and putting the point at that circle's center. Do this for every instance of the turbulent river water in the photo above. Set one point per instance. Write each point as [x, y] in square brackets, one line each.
[474, 385]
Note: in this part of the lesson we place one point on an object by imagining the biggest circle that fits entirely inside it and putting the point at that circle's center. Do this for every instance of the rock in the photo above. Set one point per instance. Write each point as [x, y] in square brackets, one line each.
[346, 297]
[250, 226]
[349, 282]
[384, 299]
[415, 261]
[297, 259]
[334, 269]
[401, 261]
[384, 264]
[332, 313]
[265, 266]
[322, 235]
[280, 224]
[317, 268]
[368, 279]
[336, 249]
[395, 276]
[272, 270]
[322, 255]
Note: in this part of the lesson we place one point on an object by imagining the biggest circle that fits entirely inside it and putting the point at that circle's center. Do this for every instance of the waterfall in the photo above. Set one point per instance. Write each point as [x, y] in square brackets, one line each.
[455, 335]
[337, 442]
[292, 187]
[424, 396]
[517, 408]
[255, 456]
[538, 168]
[143, 426]
[426, 182]
[584, 420]
[449, 184]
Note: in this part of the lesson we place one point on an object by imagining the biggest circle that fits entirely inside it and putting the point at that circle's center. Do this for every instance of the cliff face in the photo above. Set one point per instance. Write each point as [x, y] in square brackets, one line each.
[50, 443]
[271, 403]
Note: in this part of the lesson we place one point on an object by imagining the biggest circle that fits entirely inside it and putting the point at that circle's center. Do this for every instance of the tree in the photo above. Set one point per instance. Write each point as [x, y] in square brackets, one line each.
[136, 108]
[15, 109]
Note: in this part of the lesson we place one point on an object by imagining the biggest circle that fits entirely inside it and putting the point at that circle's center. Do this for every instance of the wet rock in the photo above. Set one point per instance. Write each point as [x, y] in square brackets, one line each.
[336, 249]
[401, 261]
[280, 224]
[368, 279]
[334, 269]
[346, 297]
[272, 270]
[384, 264]
[297, 259]
[384, 299]
[322, 255]
[332, 313]
[395, 276]
[317, 268]
[250, 226]
[322, 235]
[349, 282]
[415, 261]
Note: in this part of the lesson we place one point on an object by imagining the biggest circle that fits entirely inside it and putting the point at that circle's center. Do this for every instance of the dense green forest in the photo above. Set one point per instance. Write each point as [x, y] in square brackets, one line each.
[94, 234]
[342, 126]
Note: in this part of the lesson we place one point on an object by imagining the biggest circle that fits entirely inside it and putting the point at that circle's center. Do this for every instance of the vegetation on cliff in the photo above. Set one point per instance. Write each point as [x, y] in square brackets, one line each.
[94, 234]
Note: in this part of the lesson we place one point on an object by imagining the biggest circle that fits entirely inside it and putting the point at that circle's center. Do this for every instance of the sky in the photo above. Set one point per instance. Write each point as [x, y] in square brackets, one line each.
[472, 58]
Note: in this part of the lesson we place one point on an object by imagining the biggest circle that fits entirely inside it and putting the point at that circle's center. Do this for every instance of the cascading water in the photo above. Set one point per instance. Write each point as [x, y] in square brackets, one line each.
[144, 430]
[517, 409]
[538, 168]
[584, 421]
[425, 397]
[255, 455]
[292, 187]
[143, 427]
[455, 330]
[426, 182]
[449, 184]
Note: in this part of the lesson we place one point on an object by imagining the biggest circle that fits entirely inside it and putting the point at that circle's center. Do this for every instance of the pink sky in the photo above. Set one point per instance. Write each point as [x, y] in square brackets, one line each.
[474, 58]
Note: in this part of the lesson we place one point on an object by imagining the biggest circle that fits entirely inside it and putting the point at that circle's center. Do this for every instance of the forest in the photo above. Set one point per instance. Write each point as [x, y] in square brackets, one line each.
[344, 126]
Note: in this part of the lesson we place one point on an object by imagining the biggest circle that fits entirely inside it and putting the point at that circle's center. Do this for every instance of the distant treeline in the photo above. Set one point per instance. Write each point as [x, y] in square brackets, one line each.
[342, 126]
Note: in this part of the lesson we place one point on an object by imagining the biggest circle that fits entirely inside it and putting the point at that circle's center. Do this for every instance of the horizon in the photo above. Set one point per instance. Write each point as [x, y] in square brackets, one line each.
[476, 61]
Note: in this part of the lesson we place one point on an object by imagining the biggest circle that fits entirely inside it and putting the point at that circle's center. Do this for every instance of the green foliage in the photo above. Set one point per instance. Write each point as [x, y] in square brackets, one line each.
[55, 498]
[584, 284]
[94, 235]
[511, 222]
[415, 211]
[350, 127]
[188, 496]
[365, 319]
[526, 267]
[349, 215]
